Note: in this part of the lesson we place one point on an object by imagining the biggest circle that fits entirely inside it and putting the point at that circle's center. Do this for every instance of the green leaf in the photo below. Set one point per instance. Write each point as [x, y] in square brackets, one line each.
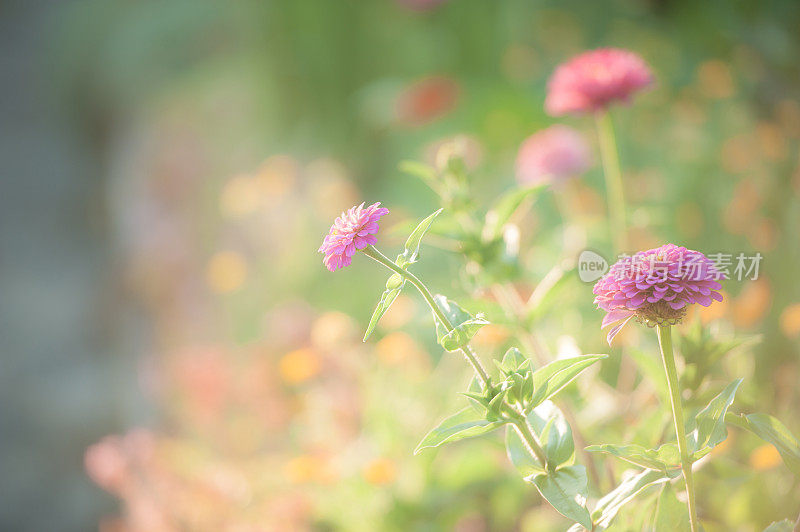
[608, 506]
[411, 251]
[396, 282]
[663, 458]
[771, 431]
[504, 208]
[552, 378]
[780, 526]
[422, 171]
[464, 424]
[519, 455]
[671, 514]
[553, 432]
[388, 296]
[464, 325]
[565, 489]
[708, 428]
[512, 361]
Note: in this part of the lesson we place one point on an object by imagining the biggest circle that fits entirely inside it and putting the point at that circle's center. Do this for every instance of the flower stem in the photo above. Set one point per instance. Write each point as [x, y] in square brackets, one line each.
[613, 175]
[467, 351]
[665, 343]
[515, 417]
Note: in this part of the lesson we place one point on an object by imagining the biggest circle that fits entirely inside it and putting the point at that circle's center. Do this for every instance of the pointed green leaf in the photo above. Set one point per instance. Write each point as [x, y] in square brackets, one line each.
[411, 251]
[780, 526]
[608, 506]
[422, 171]
[464, 424]
[505, 207]
[552, 378]
[565, 489]
[513, 360]
[708, 428]
[393, 288]
[519, 455]
[771, 431]
[663, 458]
[555, 436]
[671, 515]
[396, 282]
[464, 325]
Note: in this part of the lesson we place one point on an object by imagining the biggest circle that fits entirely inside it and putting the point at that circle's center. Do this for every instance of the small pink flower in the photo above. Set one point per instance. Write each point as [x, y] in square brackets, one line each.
[353, 230]
[553, 154]
[594, 80]
[656, 287]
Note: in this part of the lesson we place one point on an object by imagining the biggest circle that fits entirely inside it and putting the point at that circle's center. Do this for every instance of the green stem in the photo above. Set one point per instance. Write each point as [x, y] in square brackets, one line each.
[613, 175]
[467, 351]
[516, 418]
[665, 343]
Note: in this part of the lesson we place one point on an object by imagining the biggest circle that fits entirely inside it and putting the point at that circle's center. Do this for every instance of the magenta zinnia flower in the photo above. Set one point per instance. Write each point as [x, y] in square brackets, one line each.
[593, 80]
[553, 154]
[656, 287]
[353, 230]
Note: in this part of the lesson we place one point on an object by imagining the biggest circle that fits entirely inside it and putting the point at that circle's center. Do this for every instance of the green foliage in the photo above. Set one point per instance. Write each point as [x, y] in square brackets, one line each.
[671, 514]
[708, 429]
[555, 376]
[608, 506]
[664, 458]
[464, 324]
[781, 526]
[396, 282]
[504, 208]
[463, 424]
[566, 489]
[771, 431]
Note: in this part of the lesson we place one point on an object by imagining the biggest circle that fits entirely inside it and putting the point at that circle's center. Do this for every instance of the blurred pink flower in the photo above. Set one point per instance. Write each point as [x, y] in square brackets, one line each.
[551, 155]
[353, 230]
[594, 80]
[656, 287]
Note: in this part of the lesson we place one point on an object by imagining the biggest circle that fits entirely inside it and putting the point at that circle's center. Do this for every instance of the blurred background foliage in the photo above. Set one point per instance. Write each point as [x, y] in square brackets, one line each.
[172, 166]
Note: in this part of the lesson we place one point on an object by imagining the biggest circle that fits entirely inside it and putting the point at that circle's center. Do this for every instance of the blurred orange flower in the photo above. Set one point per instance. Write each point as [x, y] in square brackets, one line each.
[380, 472]
[226, 272]
[299, 365]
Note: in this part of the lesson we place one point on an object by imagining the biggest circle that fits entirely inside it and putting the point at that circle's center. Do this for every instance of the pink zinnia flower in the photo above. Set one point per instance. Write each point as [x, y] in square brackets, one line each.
[553, 154]
[351, 231]
[656, 287]
[593, 80]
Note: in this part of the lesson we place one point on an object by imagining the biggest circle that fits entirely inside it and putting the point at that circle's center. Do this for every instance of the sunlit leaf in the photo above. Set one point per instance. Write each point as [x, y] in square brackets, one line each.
[464, 324]
[671, 515]
[396, 282]
[608, 506]
[708, 428]
[780, 526]
[552, 378]
[565, 489]
[464, 424]
[663, 458]
[771, 431]
[504, 208]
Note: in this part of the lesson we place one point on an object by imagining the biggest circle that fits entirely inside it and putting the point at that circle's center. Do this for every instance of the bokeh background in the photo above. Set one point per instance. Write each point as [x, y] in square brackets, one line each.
[169, 169]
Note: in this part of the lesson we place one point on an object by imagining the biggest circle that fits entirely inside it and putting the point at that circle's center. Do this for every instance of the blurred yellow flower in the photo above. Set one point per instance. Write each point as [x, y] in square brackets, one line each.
[790, 320]
[752, 304]
[399, 314]
[240, 197]
[396, 347]
[308, 468]
[765, 457]
[491, 335]
[277, 175]
[715, 80]
[380, 472]
[299, 365]
[332, 329]
[226, 272]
